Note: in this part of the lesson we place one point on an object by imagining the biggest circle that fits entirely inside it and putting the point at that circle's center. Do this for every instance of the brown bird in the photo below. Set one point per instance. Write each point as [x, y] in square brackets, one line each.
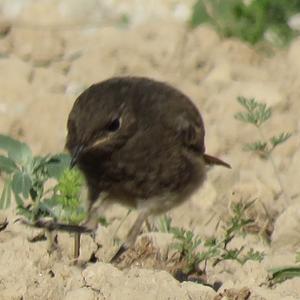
[138, 142]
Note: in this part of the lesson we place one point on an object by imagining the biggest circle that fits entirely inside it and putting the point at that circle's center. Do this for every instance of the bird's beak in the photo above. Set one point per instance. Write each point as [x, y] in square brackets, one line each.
[75, 155]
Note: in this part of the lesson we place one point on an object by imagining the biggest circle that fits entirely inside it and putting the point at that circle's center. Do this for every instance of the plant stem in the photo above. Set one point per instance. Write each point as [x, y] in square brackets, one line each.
[275, 170]
[76, 245]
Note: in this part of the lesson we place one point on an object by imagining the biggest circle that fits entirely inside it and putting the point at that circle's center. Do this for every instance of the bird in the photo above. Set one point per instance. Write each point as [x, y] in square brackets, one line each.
[139, 142]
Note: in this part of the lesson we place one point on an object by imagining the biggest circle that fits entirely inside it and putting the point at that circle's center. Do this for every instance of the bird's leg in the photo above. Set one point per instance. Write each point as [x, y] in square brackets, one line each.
[132, 235]
[136, 228]
[148, 225]
[95, 210]
[121, 223]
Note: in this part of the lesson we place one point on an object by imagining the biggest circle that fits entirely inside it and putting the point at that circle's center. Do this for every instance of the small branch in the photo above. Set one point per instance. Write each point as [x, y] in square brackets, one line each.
[76, 245]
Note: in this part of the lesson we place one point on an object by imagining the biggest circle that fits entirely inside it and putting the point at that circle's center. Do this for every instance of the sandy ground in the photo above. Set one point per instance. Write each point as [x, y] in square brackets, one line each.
[42, 70]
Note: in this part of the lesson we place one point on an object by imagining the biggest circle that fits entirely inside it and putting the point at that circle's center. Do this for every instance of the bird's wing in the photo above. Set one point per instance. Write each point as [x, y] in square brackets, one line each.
[191, 134]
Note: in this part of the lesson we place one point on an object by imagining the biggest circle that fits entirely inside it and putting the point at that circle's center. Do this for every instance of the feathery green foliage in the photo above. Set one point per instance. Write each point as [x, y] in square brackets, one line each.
[251, 21]
[26, 178]
[257, 113]
[213, 249]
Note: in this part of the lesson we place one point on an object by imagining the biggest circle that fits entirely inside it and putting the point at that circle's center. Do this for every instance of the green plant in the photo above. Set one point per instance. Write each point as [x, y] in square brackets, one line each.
[251, 21]
[187, 244]
[165, 223]
[213, 249]
[257, 113]
[26, 178]
[283, 273]
[65, 203]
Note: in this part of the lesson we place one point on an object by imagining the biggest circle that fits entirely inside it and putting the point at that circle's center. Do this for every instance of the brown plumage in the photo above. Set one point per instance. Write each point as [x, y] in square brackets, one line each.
[139, 142]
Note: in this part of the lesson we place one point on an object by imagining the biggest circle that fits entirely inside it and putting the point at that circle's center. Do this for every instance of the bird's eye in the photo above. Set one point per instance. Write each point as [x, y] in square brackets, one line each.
[114, 125]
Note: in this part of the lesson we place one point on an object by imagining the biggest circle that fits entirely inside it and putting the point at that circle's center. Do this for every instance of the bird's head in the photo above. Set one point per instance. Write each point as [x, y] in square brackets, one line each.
[100, 122]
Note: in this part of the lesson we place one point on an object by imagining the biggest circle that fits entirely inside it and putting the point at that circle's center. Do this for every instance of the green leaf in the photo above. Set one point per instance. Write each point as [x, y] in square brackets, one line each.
[102, 220]
[165, 223]
[249, 21]
[253, 255]
[199, 14]
[5, 196]
[70, 185]
[21, 184]
[256, 147]
[256, 112]
[21, 210]
[284, 273]
[279, 139]
[19, 201]
[7, 165]
[19, 152]
[58, 164]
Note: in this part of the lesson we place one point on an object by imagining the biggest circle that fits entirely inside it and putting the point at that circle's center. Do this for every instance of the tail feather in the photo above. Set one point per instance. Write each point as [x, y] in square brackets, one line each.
[212, 160]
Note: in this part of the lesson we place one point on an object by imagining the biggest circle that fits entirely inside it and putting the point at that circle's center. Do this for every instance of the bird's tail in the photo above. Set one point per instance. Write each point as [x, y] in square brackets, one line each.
[212, 160]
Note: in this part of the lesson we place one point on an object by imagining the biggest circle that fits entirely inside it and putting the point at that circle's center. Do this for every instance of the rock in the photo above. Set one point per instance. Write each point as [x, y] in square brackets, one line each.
[105, 236]
[205, 197]
[78, 10]
[162, 241]
[139, 284]
[3, 221]
[12, 8]
[5, 27]
[41, 15]
[237, 52]
[289, 288]
[236, 294]
[81, 294]
[49, 80]
[150, 285]
[286, 234]
[69, 274]
[197, 291]
[13, 72]
[262, 91]
[294, 22]
[182, 12]
[293, 56]
[219, 76]
[5, 47]
[62, 66]
[101, 276]
[259, 274]
[40, 46]
[13, 101]
[87, 247]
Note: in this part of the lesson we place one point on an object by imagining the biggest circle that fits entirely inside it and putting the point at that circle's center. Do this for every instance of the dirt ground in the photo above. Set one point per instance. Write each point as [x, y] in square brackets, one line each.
[42, 71]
